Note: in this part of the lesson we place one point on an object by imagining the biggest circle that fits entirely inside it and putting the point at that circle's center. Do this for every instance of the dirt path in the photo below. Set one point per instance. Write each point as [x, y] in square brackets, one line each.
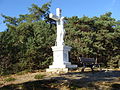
[25, 77]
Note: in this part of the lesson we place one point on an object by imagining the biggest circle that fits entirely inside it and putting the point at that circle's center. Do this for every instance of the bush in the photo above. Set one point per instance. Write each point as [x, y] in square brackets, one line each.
[39, 76]
[23, 72]
[10, 79]
[114, 62]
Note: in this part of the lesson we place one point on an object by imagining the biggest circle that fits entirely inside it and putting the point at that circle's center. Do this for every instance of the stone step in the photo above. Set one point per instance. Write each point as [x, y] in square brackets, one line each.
[71, 66]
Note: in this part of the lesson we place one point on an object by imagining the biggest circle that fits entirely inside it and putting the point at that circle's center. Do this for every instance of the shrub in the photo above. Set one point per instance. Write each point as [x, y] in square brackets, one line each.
[114, 62]
[10, 79]
[39, 76]
[23, 72]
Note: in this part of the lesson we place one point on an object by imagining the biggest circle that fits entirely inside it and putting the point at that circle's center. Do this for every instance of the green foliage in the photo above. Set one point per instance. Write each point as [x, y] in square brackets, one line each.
[10, 79]
[23, 72]
[39, 76]
[114, 62]
[26, 45]
[96, 37]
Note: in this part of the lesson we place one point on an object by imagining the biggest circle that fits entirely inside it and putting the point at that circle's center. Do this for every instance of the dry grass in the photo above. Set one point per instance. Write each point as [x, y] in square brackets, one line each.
[75, 79]
[9, 79]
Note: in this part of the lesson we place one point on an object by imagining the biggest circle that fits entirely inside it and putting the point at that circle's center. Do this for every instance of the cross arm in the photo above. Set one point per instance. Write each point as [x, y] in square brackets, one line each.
[54, 17]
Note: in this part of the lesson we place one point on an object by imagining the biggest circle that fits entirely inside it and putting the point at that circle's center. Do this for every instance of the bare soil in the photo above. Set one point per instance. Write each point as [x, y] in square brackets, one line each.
[73, 80]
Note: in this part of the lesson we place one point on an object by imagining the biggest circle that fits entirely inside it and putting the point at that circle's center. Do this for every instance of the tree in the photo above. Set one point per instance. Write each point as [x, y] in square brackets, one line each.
[27, 42]
[96, 37]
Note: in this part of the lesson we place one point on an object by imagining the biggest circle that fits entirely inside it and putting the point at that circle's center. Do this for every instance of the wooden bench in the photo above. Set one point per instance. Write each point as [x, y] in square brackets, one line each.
[88, 62]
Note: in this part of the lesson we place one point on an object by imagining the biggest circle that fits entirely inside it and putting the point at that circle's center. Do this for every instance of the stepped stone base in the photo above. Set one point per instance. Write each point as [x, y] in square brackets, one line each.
[60, 70]
[65, 65]
[57, 70]
[72, 66]
[61, 62]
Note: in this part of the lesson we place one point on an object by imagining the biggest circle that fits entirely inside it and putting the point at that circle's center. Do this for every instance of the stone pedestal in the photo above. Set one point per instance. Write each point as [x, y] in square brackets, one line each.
[61, 59]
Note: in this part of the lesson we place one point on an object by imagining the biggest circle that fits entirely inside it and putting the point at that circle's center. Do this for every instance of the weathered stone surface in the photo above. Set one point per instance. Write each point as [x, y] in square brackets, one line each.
[57, 70]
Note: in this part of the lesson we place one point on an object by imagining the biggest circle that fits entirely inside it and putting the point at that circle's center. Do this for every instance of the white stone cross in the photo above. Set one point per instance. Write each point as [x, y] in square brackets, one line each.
[60, 26]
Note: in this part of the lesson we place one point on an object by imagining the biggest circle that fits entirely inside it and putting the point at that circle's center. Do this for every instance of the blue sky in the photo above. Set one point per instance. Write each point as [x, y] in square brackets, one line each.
[69, 8]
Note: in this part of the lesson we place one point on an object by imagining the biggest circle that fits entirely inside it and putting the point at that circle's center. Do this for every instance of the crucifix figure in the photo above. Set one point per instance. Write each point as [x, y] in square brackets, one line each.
[60, 26]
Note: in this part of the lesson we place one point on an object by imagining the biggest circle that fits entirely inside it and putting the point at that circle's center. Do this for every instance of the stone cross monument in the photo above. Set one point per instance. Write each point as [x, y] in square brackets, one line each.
[60, 50]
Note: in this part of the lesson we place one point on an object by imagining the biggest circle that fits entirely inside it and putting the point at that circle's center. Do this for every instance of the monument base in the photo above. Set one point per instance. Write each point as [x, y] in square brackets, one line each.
[57, 70]
[61, 60]
[64, 65]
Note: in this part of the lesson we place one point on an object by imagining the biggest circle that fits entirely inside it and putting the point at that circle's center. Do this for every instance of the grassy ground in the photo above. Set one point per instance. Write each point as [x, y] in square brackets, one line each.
[73, 80]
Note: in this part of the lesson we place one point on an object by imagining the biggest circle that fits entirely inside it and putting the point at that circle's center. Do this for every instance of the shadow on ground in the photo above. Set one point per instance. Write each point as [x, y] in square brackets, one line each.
[102, 80]
[33, 85]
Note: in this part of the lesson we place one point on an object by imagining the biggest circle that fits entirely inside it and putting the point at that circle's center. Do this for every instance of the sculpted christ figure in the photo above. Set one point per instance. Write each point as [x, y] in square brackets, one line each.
[60, 27]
